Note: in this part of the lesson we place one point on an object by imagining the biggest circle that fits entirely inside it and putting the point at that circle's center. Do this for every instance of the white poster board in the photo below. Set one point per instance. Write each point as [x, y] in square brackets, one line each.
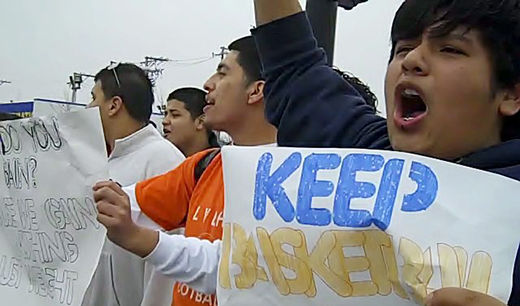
[358, 227]
[50, 240]
[45, 107]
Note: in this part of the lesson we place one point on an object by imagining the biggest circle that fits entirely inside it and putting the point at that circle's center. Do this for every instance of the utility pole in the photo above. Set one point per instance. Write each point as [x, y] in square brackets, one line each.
[322, 15]
[75, 81]
[222, 53]
[151, 66]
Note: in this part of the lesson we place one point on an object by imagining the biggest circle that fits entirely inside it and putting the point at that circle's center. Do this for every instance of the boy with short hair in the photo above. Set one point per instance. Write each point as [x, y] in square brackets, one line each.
[452, 88]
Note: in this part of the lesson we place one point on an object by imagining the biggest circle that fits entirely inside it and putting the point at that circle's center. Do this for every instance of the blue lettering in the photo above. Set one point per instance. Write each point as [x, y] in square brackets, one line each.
[387, 193]
[270, 186]
[426, 192]
[349, 188]
[310, 188]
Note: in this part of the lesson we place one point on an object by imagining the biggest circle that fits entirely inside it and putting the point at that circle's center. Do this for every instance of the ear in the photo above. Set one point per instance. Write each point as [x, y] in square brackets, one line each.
[115, 105]
[256, 92]
[199, 122]
[510, 104]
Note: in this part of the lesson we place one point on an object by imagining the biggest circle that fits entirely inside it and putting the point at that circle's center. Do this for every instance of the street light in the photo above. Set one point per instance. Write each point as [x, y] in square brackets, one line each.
[322, 15]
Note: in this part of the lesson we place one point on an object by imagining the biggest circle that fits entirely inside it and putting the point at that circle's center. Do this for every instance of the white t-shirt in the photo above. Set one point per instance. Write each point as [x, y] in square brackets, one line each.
[122, 278]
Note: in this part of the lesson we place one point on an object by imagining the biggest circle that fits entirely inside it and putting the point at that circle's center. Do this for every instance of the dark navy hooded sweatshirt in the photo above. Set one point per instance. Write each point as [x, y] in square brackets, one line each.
[312, 106]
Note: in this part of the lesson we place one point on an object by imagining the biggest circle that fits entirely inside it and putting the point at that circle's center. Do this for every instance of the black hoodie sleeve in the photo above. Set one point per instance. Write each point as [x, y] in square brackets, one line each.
[309, 103]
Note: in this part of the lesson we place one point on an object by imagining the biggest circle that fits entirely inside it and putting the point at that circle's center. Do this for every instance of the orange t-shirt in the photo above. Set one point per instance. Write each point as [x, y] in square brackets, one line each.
[175, 199]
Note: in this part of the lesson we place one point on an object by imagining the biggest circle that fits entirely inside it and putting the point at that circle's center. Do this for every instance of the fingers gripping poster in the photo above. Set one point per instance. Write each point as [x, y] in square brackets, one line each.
[50, 240]
[358, 227]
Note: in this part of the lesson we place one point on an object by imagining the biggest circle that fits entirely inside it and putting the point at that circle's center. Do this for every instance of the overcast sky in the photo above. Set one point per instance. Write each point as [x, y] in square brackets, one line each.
[43, 42]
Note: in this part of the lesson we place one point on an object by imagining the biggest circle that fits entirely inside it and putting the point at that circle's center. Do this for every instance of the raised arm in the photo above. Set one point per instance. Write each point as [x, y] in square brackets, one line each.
[309, 103]
[271, 10]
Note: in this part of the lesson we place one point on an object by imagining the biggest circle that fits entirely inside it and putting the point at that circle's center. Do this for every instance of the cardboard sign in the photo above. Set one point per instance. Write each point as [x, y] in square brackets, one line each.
[361, 227]
[50, 240]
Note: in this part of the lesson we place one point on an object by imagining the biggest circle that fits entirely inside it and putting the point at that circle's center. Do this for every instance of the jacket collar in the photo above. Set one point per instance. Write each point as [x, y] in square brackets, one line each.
[503, 155]
[129, 144]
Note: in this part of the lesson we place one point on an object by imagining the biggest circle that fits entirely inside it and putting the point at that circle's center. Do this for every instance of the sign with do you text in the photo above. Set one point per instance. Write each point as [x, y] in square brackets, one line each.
[50, 240]
[359, 227]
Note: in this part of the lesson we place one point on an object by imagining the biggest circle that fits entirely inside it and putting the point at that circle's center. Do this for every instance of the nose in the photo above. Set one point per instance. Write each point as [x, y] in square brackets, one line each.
[209, 85]
[414, 62]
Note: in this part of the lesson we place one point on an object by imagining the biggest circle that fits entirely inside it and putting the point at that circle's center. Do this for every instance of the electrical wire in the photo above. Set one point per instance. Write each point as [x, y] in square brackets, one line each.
[200, 61]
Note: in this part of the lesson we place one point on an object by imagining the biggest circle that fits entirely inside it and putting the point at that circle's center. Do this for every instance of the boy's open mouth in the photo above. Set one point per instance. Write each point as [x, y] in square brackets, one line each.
[410, 107]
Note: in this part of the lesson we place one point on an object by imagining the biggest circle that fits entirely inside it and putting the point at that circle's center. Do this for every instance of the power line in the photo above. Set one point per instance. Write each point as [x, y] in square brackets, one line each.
[200, 61]
[153, 67]
[188, 60]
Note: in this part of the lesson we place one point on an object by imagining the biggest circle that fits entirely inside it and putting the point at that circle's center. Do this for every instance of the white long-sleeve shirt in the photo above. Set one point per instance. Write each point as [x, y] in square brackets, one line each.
[189, 260]
[121, 277]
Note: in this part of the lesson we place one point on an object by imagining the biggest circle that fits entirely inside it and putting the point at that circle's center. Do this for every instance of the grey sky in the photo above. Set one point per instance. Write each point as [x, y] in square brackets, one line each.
[43, 42]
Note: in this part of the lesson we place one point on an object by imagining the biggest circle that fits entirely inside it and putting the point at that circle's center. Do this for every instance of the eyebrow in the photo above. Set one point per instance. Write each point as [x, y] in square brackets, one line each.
[172, 109]
[462, 37]
[222, 66]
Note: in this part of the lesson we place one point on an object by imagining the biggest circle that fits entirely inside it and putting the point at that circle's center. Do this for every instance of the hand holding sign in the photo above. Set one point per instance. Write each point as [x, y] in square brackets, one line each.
[114, 213]
[460, 297]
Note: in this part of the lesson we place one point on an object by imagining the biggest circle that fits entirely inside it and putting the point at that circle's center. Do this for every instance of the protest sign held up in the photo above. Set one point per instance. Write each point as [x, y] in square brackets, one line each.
[50, 240]
[357, 227]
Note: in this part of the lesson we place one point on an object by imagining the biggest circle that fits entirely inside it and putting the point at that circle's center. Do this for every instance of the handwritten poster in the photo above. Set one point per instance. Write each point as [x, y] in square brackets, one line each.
[358, 227]
[50, 240]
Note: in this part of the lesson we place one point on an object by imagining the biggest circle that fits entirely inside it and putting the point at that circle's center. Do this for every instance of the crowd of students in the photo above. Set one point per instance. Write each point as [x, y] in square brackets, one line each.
[452, 92]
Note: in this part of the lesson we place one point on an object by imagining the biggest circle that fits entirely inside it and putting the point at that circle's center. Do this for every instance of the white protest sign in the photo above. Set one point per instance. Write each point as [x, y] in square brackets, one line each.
[50, 240]
[359, 227]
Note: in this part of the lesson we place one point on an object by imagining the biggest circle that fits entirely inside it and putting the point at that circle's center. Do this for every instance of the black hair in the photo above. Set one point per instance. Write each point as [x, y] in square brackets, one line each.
[194, 100]
[362, 88]
[134, 88]
[498, 23]
[248, 57]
